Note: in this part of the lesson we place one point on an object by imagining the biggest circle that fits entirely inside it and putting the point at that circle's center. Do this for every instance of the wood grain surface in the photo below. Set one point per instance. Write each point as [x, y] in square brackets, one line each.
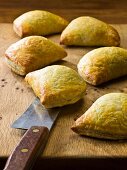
[16, 96]
[112, 11]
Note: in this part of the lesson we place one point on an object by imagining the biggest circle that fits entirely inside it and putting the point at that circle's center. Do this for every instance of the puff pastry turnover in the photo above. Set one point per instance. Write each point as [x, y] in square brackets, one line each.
[38, 23]
[32, 53]
[103, 64]
[56, 85]
[106, 118]
[88, 31]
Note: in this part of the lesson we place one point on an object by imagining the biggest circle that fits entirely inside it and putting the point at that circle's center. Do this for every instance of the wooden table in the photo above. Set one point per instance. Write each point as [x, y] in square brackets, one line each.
[106, 10]
[64, 149]
[112, 11]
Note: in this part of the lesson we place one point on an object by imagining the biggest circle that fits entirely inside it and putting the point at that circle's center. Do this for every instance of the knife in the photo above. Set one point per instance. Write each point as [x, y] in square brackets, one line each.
[39, 121]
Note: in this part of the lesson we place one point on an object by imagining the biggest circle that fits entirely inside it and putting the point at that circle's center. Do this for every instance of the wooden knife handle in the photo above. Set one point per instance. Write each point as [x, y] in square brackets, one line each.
[28, 149]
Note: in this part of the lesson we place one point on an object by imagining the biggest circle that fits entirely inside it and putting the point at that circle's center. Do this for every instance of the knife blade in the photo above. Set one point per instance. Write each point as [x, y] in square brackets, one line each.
[39, 121]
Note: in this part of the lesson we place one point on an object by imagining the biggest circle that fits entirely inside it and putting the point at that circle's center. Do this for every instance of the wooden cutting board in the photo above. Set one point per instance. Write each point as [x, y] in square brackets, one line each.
[16, 96]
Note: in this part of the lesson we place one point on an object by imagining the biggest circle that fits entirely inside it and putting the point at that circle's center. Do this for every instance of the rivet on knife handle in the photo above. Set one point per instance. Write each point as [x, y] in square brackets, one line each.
[28, 148]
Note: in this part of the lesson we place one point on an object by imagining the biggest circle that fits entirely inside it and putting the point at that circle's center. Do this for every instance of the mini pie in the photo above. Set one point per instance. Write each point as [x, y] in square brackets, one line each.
[88, 31]
[56, 85]
[32, 53]
[38, 22]
[103, 64]
[106, 118]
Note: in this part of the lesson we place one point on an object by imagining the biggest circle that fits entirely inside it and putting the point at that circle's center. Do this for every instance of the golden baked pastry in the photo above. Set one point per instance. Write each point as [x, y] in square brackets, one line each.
[32, 53]
[56, 85]
[106, 118]
[88, 31]
[103, 64]
[38, 22]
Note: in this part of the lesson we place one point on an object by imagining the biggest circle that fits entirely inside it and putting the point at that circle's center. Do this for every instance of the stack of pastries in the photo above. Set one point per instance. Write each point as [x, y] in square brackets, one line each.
[58, 85]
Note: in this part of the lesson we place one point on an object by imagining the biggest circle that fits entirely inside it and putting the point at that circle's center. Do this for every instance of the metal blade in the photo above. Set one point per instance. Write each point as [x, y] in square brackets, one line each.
[36, 115]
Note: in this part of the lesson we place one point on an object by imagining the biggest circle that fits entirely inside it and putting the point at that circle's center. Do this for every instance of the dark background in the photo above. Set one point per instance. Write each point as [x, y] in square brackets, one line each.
[112, 11]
